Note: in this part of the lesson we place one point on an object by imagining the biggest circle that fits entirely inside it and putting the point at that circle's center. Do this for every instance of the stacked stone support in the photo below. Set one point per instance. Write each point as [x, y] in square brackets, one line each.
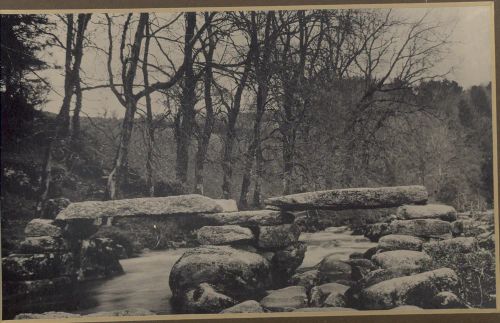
[264, 253]
[43, 266]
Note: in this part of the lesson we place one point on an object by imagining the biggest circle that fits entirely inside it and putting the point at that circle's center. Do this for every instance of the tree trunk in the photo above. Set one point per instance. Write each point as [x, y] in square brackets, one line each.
[116, 176]
[63, 116]
[188, 101]
[262, 75]
[227, 160]
[71, 80]
[230, 135]
[75, 137]
[292, 113]
[204, 137]
[252, 148]
[83, 20]
[130, 103]
[287, 139]
[259, 168]
[150, 129]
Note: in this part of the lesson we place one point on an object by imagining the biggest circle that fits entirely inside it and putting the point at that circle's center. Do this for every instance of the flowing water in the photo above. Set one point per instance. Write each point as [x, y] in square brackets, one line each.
[145, 283]
[337, 241]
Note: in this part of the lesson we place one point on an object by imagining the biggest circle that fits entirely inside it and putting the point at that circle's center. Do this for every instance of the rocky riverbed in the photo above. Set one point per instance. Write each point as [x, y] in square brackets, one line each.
[145, 283]
[426, 256]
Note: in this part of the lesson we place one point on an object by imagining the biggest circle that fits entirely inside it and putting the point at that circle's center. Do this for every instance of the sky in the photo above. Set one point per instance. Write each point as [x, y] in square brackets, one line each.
[469, 58]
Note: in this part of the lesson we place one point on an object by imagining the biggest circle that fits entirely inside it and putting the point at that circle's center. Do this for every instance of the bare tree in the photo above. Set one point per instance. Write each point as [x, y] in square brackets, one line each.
[204, 134]
[127, 98]
[229, 138]
[150, 128]
[83, 20]
[73, 59]
[262, 76]
[63, 116]
[186, 114]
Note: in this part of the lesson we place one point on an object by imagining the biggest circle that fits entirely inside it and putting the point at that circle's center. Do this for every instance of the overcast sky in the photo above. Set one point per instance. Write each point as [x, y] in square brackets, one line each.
[469, 58]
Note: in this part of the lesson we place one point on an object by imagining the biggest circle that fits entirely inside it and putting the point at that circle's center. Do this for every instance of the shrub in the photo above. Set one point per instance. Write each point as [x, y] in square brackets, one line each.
[476, 273]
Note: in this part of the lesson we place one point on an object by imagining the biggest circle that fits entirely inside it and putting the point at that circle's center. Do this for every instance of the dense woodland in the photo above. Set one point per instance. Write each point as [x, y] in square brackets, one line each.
[241, 105]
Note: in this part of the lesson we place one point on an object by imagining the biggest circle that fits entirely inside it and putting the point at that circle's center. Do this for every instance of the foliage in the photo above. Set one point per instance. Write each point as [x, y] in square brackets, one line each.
[476, 274]
[21, 87]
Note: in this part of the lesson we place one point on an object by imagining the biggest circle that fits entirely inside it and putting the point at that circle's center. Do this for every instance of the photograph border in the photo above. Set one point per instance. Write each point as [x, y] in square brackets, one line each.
[410, 316]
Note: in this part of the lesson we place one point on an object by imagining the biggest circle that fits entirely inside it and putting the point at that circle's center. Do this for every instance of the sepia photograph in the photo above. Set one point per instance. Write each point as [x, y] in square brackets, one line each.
[325, 159]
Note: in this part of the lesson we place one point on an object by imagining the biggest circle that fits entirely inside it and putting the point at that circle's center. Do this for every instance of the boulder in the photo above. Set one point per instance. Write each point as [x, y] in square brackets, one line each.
[353, 294]
[41, 228]
[146, 206]
[377, 230]
[352, 198]
[308, 279]
[335, 300]
[53, 207]
[428, 211]
[99, 258]
[286, 299]
[334, 270]
[37, 266]
[227, 205]
[450, 246]
[417, 290]
[399, 242]
[425, 228]
[251, 218]
[406, 261]
[331, 295]
[43, 244]
[64, 315]
[406, 308]
[368, 254]
[245, 307]
[363, 263]
[45, 316]
[32, 288]
[447, 300]
[226, 234]
[277, 236]
[125, 312]
[379, 275]
[205, 299]
[284, 262]
[360, 268]
[356, 255]
[324, 309]
[236, 273]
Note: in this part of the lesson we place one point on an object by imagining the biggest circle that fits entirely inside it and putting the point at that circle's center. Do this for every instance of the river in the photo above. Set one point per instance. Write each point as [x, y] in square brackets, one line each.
[145, 283]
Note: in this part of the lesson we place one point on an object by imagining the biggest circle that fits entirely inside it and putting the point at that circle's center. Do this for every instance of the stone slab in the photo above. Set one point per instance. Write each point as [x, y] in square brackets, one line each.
[352, 198]
[171, 205]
